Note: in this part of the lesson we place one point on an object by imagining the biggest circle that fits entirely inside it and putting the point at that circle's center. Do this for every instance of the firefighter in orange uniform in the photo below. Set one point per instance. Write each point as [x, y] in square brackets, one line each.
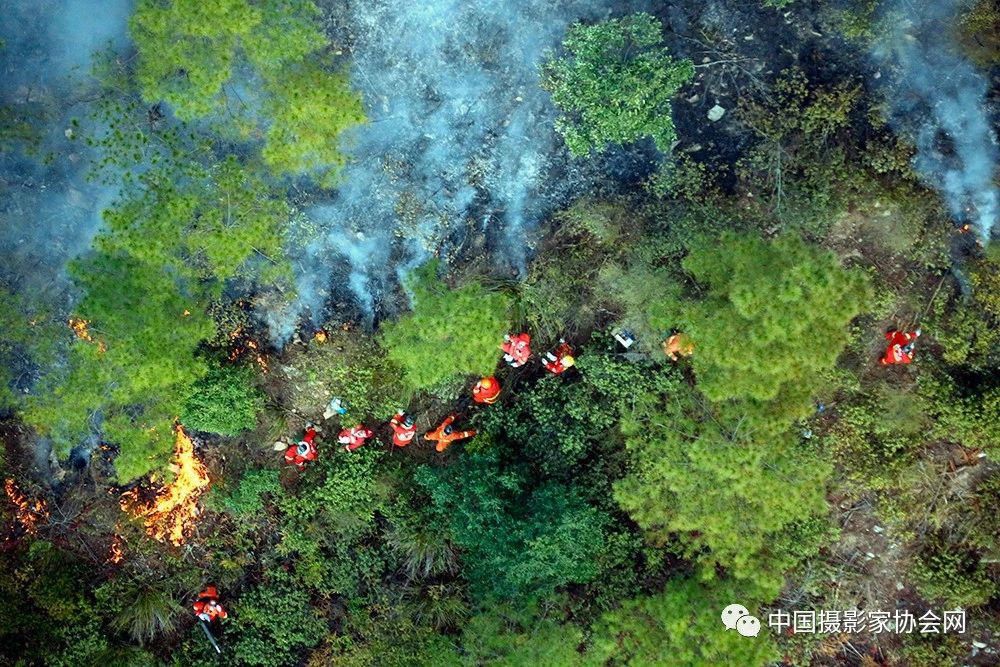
[207, 608]
[304, 451]
[900, 348]
[487, 391]
[352, 438]
[678, 345]
[403, 429]
[444, 434]
[558, 361]
[516, 349]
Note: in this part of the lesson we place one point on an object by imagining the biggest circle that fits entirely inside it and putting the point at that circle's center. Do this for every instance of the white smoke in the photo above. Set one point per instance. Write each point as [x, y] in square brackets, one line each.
[939, 99]
[459, 147]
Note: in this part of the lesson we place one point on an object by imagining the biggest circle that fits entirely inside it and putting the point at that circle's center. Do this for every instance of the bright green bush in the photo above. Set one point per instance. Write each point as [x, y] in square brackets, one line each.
[951, 573]
[226, 401]
[273, 623]
[615, 84]
[681, 627]
[449, 332]
[772, 320]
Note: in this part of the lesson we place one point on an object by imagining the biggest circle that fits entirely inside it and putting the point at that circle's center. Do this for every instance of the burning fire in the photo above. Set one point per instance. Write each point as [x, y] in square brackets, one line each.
[172, 512]
[321, 337]
[117, 550]
[29, 514]
[248, 344]
[79, 327]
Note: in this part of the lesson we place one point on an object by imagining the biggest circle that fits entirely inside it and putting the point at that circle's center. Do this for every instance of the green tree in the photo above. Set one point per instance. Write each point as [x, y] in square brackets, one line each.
[680, 627]
[225, 401]
[188, 49]
[730, 495]
[189, 52]
[771, 319]
[615, 85]
[522, 540]
[450, 331]
[309, 109]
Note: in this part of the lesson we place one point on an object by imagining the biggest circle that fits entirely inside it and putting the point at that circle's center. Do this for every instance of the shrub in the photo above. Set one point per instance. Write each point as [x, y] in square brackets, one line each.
[615, 84]
[449, 332]
[225, 401]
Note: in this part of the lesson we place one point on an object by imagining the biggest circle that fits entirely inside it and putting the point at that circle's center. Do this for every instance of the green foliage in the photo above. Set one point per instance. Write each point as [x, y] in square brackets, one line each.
[206, 228]
[449, 332]
[274, 623]
[521, 541]
[225, 401]
[310, 108]
[558, 421]
[247, 499]
[523, 635]
[951, 573]
[680, 627]
[189, 52]
[140, 381]
[143, 610]
[167, 250]
[615, 84]
[728, 495]
[772, 319]
[879, 430]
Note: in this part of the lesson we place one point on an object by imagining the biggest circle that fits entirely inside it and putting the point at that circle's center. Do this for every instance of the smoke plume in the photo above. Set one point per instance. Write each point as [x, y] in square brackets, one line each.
[459, 154]
[938, 98]
[49, 210]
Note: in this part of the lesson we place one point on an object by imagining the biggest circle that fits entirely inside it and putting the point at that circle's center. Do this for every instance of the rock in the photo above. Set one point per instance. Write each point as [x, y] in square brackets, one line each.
[716, 113]
[693, 99]
[899, 586]
[870, 555]
[878, 529]
[748, 38]
[979, 645]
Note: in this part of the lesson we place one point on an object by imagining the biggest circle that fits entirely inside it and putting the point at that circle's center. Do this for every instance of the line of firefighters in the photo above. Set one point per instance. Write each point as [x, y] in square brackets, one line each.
[516, 352]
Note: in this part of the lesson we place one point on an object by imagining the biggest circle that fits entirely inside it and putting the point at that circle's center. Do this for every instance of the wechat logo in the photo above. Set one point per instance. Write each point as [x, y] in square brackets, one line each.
[736, 617]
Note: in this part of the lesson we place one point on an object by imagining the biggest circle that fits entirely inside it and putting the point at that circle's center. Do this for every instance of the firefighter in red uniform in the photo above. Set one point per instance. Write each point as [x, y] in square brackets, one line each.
[516, 349]
[304, 451]
[444, 434]
[487, 391]
[403, 429]
[900, 348]
[558, 361]
[352, 438]
[207, 608]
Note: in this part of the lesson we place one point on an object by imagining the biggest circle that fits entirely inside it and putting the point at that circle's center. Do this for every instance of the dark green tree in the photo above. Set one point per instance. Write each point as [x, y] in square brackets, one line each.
[615, 84]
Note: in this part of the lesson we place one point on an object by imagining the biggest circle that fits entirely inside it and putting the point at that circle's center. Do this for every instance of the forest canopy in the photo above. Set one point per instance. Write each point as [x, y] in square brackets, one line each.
[482, 333]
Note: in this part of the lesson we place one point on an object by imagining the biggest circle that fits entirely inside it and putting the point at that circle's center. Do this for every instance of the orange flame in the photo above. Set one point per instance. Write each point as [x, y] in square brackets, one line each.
[29, 514]
[172, 513]
[79, 327]
[321, 337]
[250, 345]
[117, 550]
